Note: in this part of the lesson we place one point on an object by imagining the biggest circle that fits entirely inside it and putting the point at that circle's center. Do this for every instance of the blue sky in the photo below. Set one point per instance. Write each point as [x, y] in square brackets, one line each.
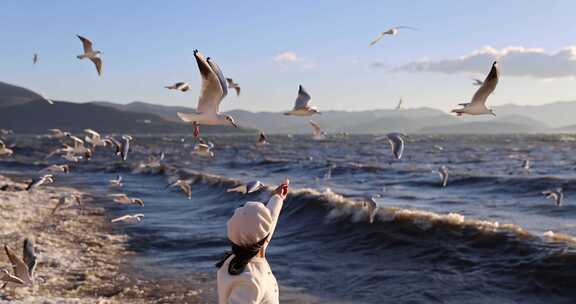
[148, 44]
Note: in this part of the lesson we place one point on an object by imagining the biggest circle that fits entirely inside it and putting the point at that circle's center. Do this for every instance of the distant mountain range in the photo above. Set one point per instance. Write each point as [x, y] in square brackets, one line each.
[23, 110]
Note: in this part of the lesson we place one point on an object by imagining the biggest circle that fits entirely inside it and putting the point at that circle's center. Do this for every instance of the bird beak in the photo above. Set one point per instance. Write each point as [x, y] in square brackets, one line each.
[234, 124]
[493, 114]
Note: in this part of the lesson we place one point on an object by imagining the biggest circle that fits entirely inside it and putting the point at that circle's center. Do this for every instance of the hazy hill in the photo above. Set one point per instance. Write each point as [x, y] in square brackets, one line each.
[166, 112]
[15, 95]
[556, 114]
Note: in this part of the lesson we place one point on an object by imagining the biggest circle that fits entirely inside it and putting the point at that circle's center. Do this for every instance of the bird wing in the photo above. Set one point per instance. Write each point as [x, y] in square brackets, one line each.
[377, 38]
[487, 87]
[230, 82]
[406, 27]
[20, 268]
[98, 63]
[122, 218]
[220, 75]
[211, 92]
[29, 256]
[396, 144]
[87, 44]
[303, 99]
[7, 277]
[317, 129]
[93, 133]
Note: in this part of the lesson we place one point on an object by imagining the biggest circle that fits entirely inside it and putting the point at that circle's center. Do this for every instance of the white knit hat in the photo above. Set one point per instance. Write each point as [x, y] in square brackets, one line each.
[249, 224]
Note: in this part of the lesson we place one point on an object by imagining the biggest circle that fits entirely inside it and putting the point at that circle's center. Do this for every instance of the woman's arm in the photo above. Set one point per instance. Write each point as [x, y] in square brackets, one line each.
[275, 206]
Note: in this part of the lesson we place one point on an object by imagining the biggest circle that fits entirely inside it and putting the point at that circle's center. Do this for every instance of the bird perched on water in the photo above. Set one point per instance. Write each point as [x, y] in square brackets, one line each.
[443, 172]
[123, 199]
[213, 91]
[526, 164]
[44, 180]
[396, 141]
[23, 267]
[262, 140]
[233, 85]
[56, 169]
[180, 86]
[89, 53]
[5, 151]
[129, 218]
[247, 188]
[390, 32]
[478, 104]
[372, 207]
[184, 187]
[115, 183]
[302, 105]
[557, 195]
[317, 133]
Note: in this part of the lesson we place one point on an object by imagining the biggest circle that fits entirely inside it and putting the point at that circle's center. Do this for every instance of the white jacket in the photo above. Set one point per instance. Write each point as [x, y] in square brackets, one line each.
[257, 284]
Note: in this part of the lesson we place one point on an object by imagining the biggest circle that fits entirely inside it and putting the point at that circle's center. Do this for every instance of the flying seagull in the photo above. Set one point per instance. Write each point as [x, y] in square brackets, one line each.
[557, 195]
[123, 199]
[233, 85]
[35, 58]
[399, 106]
[6, 277]
[91, 54]
[184, 186]
[77, 197]
[317, 134]
[478, 104]
[180, 86]
[125, 148]
[203, 149]
[247, 188]
[23, 267]
[477, 82]
[44, 180]
[115, 183]
[94, 138]
[56, 169]
[392, 32]
[443, 172]
[213, 91]
[302, 105]
[129, 218]
[396, 141]
[58, 134]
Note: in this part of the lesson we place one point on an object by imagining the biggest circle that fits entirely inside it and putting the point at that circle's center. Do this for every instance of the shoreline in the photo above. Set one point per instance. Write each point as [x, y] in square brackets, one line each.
[81, 257]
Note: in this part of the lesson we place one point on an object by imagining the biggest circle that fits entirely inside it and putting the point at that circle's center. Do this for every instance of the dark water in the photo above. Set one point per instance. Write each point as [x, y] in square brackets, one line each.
[489, 237]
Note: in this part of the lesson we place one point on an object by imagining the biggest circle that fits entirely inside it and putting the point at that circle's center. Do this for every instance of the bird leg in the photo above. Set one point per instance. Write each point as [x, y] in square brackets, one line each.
[196, 129]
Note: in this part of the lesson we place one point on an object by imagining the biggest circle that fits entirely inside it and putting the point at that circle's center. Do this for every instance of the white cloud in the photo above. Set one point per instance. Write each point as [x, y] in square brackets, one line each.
[514, 61]
[287, 57]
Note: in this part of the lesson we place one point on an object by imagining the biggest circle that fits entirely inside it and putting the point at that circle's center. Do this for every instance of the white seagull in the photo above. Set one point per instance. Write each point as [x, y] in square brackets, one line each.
[247, 188]
[477, 82]
[4, 151]
[557, 195]
[392, 32]
[44, 180]
[180, 86]
[526, 164]
[203, 149]
[115, 183]
[94, 138]
[123, 199]
[129, 218]
[302, 105]
[23, 267]
[125, 148]
[396, 141]
[443, 172]
[91, 54]
[233, 85]
[184, 186]
[317, 134]
[370, 203]
[478, 104]
[262, 140]
[213, 91]
[58, 134]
